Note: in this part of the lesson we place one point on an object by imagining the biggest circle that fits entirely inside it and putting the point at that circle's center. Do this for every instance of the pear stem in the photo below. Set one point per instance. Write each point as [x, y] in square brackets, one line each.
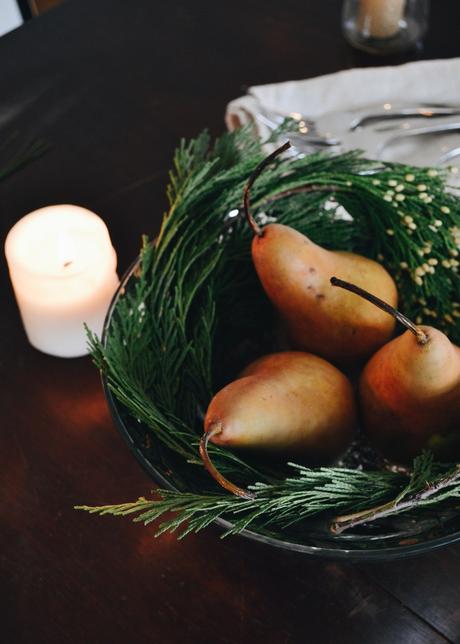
[422, 338]
[214, 472]
[256, 229]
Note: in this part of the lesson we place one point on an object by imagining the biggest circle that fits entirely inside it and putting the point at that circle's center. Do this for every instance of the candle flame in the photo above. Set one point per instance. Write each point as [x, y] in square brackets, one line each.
[65, 249]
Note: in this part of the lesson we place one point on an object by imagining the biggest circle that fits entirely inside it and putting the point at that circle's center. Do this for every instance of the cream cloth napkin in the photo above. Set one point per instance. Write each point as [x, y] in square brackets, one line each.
[436, 81]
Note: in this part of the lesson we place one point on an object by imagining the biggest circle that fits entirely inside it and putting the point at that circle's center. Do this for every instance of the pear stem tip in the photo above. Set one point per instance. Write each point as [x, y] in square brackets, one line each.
[422, 337]
[256, 229]
[214, 472]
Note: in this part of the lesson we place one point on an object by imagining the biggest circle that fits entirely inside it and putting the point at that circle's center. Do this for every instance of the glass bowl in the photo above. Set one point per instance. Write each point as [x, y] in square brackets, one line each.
[407, 536]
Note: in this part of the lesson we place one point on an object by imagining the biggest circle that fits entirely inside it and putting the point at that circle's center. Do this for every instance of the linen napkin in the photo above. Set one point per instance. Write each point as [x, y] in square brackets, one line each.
[435, 81]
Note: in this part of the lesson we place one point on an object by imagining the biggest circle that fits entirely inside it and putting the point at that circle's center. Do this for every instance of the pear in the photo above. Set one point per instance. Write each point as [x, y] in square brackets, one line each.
[410, 391]
[295, 274]
[293, 404]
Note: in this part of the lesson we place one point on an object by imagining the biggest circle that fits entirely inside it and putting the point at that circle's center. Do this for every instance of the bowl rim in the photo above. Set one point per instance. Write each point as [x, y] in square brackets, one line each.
[350, 555]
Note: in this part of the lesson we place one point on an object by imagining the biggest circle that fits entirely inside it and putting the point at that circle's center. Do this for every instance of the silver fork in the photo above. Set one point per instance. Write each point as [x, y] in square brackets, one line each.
[333, 124]
[373, 141]
[453, 153]
[304, 134]
[370, 139]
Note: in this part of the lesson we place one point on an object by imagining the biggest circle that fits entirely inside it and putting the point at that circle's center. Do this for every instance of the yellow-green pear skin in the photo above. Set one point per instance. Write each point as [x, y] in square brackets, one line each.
[410, 396]
[295, 273]
[289, 403]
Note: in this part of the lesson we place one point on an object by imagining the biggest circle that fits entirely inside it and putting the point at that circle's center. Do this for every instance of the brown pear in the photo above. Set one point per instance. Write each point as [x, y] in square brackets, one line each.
[410, 393]
[295, 274]
[293, 404]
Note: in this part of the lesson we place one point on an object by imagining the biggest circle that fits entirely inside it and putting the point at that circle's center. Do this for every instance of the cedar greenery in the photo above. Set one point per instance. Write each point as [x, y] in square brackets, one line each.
[310, 492]
[195, 313]
[24, 155]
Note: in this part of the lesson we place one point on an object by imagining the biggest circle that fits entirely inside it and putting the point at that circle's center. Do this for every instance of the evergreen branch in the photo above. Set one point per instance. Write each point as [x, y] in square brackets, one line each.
[311, 492]
[24, 156]
[194, 312]
[420, 491]
[287, 503]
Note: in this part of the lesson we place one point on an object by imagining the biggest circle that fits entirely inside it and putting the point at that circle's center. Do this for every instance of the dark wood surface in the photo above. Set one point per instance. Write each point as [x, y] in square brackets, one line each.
[113, 85]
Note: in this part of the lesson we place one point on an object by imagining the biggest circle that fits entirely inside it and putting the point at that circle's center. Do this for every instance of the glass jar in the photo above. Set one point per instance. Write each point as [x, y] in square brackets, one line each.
[385, 26]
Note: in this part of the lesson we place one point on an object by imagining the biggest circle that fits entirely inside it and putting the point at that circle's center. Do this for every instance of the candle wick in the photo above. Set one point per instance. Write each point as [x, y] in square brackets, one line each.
[66, 264]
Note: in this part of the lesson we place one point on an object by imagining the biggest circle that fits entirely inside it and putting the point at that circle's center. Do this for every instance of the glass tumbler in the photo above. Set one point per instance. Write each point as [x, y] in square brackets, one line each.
[385, 26]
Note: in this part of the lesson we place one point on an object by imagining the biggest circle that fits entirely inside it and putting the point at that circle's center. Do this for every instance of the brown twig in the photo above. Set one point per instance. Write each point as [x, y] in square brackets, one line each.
[347, 521]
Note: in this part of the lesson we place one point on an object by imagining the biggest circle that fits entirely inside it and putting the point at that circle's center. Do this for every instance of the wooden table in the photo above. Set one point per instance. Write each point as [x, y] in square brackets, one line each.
[113, 85]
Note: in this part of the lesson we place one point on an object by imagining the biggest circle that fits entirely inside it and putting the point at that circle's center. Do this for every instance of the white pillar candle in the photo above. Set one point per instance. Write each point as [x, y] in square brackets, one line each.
[380, 18]
[63, 269]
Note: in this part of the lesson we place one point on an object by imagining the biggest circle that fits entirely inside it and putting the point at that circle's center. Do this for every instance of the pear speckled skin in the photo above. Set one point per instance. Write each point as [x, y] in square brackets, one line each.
[289, 403]
[295, 273]
[410, 396]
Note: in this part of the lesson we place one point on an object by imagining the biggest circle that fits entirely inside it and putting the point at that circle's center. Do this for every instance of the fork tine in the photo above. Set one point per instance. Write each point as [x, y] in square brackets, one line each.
[449, 155]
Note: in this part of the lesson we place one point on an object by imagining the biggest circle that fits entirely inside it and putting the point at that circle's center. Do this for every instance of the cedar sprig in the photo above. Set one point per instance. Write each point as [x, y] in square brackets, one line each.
[195, 307]
[310, 492]
[22, 156]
